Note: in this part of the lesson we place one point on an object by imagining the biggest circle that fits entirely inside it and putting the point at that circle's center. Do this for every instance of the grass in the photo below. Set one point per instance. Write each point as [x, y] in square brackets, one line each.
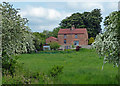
[82, 67]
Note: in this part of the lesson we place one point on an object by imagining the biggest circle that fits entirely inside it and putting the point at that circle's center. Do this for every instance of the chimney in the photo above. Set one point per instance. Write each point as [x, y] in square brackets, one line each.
[73, 27]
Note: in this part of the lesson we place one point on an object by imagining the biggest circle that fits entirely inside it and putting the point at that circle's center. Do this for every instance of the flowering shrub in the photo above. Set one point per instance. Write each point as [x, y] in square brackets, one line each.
[16, 36]
[78, 48]
[107, 44]
[91, 40]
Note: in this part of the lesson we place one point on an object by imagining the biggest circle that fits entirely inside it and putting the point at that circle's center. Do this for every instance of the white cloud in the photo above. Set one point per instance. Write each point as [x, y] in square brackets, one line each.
[53, 14]
[86, 6]
[40, 12]
[112, 6]
[90, 6]
[41, 18]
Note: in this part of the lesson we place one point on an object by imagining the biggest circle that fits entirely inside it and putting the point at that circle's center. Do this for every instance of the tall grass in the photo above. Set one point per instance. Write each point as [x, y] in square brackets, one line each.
[82, 67]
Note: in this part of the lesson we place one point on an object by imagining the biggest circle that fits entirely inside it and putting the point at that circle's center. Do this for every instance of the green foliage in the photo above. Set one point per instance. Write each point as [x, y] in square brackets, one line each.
[56, 51]
[68, 50]
[90, 20]
[82, 67]
[39, 40]
[25, 77]
[16, 36]
[54, 45]
[55, 32]
[8, 63]
[107, 44]
[55, 71]
[91, 40]
[12, 80]
[73, 46]
[47, 33]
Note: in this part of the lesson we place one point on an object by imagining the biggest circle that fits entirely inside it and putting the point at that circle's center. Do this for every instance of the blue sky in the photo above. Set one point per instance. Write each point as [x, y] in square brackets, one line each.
[47, 15]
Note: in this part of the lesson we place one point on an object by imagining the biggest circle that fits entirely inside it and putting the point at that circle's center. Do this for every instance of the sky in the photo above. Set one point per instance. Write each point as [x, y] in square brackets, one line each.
[48, 15]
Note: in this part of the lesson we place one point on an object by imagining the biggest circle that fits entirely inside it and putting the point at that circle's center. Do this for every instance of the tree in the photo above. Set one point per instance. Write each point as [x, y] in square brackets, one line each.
[75, 19]
[54, 45]
[90, 20]
[39, 40]
[108, 43]
[47, 33]
[16, 36]
[91, 40]
[55, 32]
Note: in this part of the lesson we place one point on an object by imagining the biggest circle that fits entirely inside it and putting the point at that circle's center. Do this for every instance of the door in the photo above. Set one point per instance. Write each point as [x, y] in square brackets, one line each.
[76, 42]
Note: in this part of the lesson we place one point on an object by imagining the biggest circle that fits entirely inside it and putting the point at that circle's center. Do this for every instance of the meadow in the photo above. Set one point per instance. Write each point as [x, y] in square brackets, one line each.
[79, 67]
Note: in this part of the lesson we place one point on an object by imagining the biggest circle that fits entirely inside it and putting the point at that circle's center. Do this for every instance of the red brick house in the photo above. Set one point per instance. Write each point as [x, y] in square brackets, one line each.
[71, 36]
[51, 39]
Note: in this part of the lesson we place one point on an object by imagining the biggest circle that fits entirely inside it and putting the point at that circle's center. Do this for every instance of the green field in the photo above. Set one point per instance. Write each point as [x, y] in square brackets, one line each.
[82, 67]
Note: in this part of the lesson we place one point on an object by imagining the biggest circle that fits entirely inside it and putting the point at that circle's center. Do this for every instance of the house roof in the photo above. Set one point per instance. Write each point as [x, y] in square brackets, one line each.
[52, 38]
[75, 31]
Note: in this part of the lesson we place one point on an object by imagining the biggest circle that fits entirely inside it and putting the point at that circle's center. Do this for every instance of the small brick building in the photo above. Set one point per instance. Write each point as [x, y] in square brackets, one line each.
[70, 36]
[51, 39]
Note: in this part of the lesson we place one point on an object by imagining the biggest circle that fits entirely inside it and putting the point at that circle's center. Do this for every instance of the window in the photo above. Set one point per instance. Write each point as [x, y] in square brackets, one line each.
[64, 41]
[75, 35]
[65, 36]
[76, 42]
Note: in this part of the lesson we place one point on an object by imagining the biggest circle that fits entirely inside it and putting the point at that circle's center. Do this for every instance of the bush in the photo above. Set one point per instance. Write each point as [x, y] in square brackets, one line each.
[78, 48]
[55, 71]
[68, 50]
[9, 63]
[54, 45]
[23, 76]
[91, 40]
[73, 46]
[20, 76]
[8, 79]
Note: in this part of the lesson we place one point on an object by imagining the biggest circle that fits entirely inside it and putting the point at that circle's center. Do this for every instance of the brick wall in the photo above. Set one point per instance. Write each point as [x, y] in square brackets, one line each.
[50, 40]
[86, 38]
[61, 39]
[70, 38]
